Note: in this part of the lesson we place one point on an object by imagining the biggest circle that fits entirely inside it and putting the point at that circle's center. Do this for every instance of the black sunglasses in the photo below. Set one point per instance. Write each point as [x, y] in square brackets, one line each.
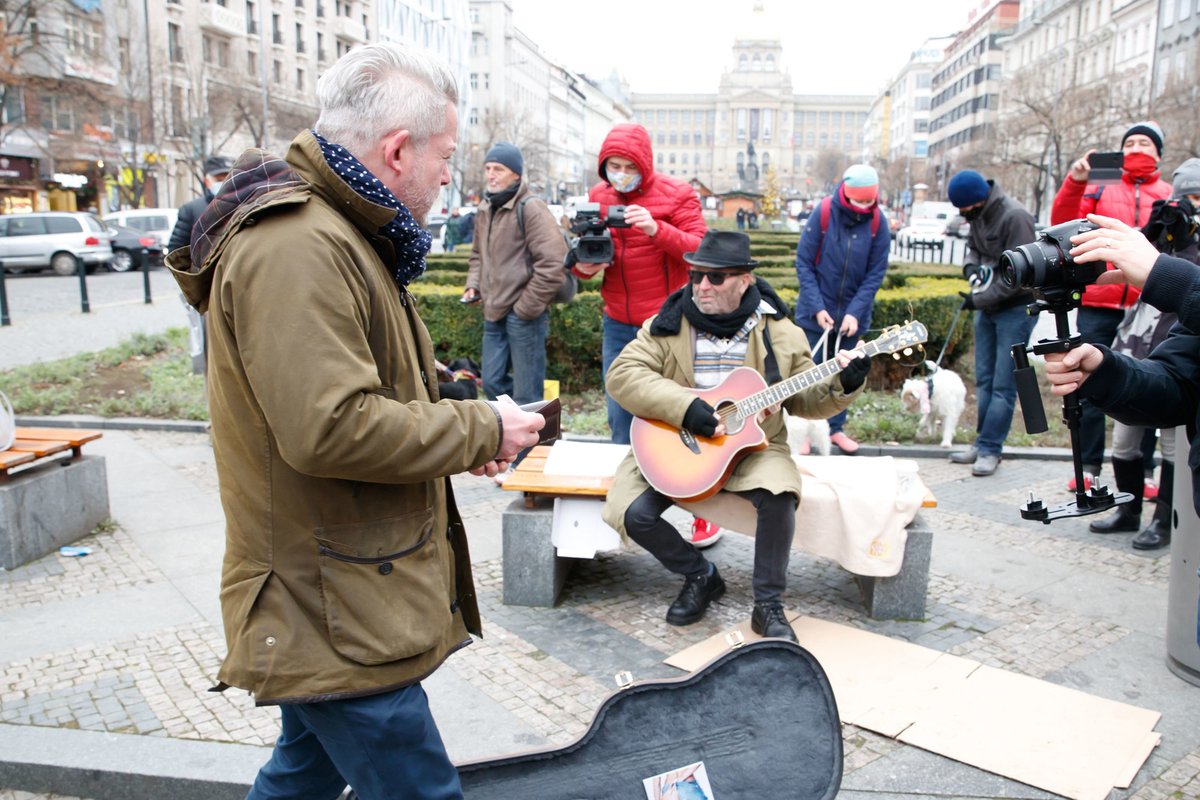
[714, 278]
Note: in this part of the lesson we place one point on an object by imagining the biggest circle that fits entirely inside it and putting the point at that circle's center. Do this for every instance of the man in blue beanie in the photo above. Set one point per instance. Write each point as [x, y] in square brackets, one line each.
[515, 269]
[998, 223]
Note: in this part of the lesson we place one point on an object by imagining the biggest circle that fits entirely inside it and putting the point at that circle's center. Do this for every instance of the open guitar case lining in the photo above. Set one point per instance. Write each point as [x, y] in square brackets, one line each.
[762, 718]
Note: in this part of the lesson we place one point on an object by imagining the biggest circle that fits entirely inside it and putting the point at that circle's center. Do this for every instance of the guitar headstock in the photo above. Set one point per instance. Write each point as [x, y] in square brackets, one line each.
[901, 339]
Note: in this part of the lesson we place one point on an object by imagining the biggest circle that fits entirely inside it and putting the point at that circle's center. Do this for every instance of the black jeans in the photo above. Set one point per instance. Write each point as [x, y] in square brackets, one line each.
[1096, 326]
[772, 539]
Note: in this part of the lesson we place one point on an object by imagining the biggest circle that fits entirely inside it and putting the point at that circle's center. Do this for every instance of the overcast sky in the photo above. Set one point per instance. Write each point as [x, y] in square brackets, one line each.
[829, 47]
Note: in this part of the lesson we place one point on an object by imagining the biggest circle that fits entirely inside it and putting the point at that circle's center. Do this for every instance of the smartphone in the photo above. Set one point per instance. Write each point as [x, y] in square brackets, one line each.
[1105, 167]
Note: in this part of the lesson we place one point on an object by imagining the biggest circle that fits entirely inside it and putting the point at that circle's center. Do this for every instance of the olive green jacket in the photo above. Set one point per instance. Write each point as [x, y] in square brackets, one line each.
[346, 568]
[651, 379]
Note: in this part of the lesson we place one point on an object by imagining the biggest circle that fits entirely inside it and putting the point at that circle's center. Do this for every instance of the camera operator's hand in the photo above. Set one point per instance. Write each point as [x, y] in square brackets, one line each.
[1081, 169]
[824, 319]
[855, 365]
[702, 420]
[588, 270]
[1118, 244]
[1067, 371]
[640, 218]
[849, 325]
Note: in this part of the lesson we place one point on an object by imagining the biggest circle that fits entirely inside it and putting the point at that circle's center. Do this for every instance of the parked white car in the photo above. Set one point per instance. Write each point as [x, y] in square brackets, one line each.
[55, 239]
[922, 231]
[157, 221]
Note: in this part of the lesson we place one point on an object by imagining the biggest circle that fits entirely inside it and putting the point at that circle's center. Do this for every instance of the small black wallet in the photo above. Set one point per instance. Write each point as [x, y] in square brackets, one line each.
[552, 411]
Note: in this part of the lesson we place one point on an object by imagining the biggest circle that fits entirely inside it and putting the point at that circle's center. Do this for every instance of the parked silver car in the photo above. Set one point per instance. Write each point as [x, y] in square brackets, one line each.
[55, 239]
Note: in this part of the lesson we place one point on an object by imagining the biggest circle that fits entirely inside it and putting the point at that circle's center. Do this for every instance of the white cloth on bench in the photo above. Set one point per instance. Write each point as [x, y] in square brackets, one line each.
[855, 510]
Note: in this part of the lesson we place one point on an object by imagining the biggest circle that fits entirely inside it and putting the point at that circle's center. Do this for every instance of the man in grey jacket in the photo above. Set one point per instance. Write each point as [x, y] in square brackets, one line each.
[998, 223]
[516, 268]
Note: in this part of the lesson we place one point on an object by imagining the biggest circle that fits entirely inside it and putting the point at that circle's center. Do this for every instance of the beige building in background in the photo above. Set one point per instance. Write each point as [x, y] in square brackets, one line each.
[754, 121]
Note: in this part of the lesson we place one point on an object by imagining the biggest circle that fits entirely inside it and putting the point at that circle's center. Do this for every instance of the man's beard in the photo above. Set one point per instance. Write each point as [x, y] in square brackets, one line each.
[419, 200]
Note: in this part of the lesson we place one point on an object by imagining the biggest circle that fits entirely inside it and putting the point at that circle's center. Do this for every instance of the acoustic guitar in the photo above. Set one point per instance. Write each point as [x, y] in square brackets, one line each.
[687, 467]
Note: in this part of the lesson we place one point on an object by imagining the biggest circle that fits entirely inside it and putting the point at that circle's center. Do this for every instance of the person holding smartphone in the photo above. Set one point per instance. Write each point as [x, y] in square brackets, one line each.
[1129, 200]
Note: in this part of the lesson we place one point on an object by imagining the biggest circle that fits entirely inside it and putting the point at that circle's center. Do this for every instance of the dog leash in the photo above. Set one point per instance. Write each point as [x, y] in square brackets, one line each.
[950, 333]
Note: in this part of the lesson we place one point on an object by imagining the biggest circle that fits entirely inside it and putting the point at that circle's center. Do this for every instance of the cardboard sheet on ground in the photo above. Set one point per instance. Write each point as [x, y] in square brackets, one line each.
[1049, 736]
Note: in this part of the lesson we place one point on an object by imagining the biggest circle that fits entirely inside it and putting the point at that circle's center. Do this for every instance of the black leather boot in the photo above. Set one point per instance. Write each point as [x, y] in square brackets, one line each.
[1128, 517]
[694, 598]
[1158, 532]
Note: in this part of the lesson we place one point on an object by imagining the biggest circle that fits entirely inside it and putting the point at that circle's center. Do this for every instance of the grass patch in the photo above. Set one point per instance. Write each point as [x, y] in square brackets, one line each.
[143, 376]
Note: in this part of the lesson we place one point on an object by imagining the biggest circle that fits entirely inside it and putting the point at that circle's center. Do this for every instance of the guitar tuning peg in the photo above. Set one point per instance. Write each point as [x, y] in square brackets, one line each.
[896, 356]
[908, 351]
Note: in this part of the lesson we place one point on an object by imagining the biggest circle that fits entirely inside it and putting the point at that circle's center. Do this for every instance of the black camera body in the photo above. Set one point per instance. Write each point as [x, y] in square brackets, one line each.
[594, 245]
[1046, 262]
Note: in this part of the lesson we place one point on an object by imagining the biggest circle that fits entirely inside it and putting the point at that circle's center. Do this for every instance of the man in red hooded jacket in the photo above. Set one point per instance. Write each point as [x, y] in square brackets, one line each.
[665, 222]
[1130, 201]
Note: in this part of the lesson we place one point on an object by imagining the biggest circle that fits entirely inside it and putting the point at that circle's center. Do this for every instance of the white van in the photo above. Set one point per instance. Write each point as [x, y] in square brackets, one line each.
[157, 221]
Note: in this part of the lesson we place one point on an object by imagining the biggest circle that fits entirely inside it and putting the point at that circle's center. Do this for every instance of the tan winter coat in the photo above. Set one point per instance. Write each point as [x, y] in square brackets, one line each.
[512, 272]
[651, 378]
[346, 568]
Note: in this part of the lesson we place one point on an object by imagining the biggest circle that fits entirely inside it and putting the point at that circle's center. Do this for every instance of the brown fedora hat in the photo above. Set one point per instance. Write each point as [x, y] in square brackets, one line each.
[722, 250]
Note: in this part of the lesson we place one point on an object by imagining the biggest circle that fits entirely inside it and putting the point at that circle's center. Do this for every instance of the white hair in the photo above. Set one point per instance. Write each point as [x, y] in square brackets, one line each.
[378, 88]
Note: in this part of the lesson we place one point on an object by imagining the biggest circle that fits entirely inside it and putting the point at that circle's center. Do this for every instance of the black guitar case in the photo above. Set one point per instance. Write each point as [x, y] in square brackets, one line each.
[761, 717]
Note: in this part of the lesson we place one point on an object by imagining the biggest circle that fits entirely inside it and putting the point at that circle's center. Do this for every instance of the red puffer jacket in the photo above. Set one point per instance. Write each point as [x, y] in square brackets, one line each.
[1127, 201]
[645, 270]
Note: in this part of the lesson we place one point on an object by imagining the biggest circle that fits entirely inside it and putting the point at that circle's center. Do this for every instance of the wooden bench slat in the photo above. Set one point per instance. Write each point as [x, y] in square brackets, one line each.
[40, 447]
[12, 458]
[75, 437]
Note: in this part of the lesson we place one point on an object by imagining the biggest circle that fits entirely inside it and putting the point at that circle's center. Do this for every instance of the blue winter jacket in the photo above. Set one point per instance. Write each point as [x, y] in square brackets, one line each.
[851, 269]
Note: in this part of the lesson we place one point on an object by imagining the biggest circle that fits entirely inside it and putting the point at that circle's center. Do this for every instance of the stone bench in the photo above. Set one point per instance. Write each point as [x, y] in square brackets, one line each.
[50, 493]
[534, 573]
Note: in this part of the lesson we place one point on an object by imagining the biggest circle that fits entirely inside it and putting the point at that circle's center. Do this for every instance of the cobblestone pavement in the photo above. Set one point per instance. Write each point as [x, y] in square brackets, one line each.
[551, 667]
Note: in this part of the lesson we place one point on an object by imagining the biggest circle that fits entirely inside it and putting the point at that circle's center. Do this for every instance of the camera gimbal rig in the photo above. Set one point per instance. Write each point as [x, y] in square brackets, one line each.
[1058, 300]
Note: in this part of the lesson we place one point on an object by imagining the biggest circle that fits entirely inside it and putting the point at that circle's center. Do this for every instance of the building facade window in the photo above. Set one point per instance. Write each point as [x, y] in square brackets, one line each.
[174, 44]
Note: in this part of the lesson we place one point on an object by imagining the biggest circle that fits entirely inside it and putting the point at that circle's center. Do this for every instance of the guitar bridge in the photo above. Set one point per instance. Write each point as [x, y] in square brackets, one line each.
[689, 441]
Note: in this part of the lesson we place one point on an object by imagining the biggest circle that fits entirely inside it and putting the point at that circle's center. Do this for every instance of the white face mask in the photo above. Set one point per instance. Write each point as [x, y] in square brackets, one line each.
[862, 206]
[623, 182]
[215, 187]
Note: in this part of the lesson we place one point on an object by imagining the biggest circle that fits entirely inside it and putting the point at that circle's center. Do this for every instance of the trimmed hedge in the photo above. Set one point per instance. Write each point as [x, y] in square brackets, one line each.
[573, 347]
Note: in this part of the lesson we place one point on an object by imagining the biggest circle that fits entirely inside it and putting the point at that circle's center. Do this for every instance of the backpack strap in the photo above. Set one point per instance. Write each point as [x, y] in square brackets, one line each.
[826, 210]
[521, 213]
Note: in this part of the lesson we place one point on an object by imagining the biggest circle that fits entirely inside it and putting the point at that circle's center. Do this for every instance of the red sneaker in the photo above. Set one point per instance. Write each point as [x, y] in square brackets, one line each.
[704, 533]
[1149, 489]
[1087, 483]
[844, 443]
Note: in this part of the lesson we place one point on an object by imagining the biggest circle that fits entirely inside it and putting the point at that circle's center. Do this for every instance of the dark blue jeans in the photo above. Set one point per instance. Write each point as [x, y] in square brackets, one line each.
[616, 336]
[1096, 326]
[838, 421]
[385, 746]
[995, 386]
[520, 345]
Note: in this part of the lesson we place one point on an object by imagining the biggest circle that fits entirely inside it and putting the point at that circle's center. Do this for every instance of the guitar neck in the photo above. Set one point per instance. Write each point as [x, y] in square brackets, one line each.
[749, 406]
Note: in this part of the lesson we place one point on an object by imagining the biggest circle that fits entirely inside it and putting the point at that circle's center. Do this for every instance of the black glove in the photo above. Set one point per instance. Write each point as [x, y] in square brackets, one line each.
[855, 373]
[971, 273]
[968, 300]
[701, 418]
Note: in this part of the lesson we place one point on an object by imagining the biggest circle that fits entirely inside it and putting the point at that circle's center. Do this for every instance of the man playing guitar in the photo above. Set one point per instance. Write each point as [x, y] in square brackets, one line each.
[723, 319]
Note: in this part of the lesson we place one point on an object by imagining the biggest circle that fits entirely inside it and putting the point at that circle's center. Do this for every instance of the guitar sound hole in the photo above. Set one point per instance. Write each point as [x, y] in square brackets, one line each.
[732, 423]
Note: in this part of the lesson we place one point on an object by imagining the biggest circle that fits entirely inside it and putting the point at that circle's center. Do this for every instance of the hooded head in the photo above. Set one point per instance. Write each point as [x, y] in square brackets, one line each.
[631, 142]
[860, 184]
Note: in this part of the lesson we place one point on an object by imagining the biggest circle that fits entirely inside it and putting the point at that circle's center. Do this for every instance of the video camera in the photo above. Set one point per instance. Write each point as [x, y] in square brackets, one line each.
[1046, 262]
[1045, 266]
[594, 245]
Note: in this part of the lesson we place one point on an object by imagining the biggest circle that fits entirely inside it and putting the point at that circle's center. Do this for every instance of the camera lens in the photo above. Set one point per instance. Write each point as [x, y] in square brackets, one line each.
[1013, 266]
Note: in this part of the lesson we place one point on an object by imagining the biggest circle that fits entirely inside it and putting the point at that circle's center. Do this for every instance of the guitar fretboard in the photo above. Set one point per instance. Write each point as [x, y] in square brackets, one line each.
[749, 406]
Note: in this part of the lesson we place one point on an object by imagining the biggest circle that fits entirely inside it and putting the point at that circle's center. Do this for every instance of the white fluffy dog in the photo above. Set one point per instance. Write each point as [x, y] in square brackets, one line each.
[940, 399]
[806, 435]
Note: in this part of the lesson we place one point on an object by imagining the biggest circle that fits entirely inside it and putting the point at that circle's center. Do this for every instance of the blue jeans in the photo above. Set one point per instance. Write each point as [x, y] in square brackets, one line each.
[616, 336]
[995, 384]
[1096, 326]
[838, 421]
[520, 345]
[385, 746]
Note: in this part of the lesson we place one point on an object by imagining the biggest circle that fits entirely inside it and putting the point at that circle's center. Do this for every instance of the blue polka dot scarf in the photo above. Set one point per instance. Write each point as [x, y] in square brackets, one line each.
[412, 242]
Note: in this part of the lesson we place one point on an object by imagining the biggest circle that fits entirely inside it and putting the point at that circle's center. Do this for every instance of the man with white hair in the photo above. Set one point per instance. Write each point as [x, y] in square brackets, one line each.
[346, 578]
